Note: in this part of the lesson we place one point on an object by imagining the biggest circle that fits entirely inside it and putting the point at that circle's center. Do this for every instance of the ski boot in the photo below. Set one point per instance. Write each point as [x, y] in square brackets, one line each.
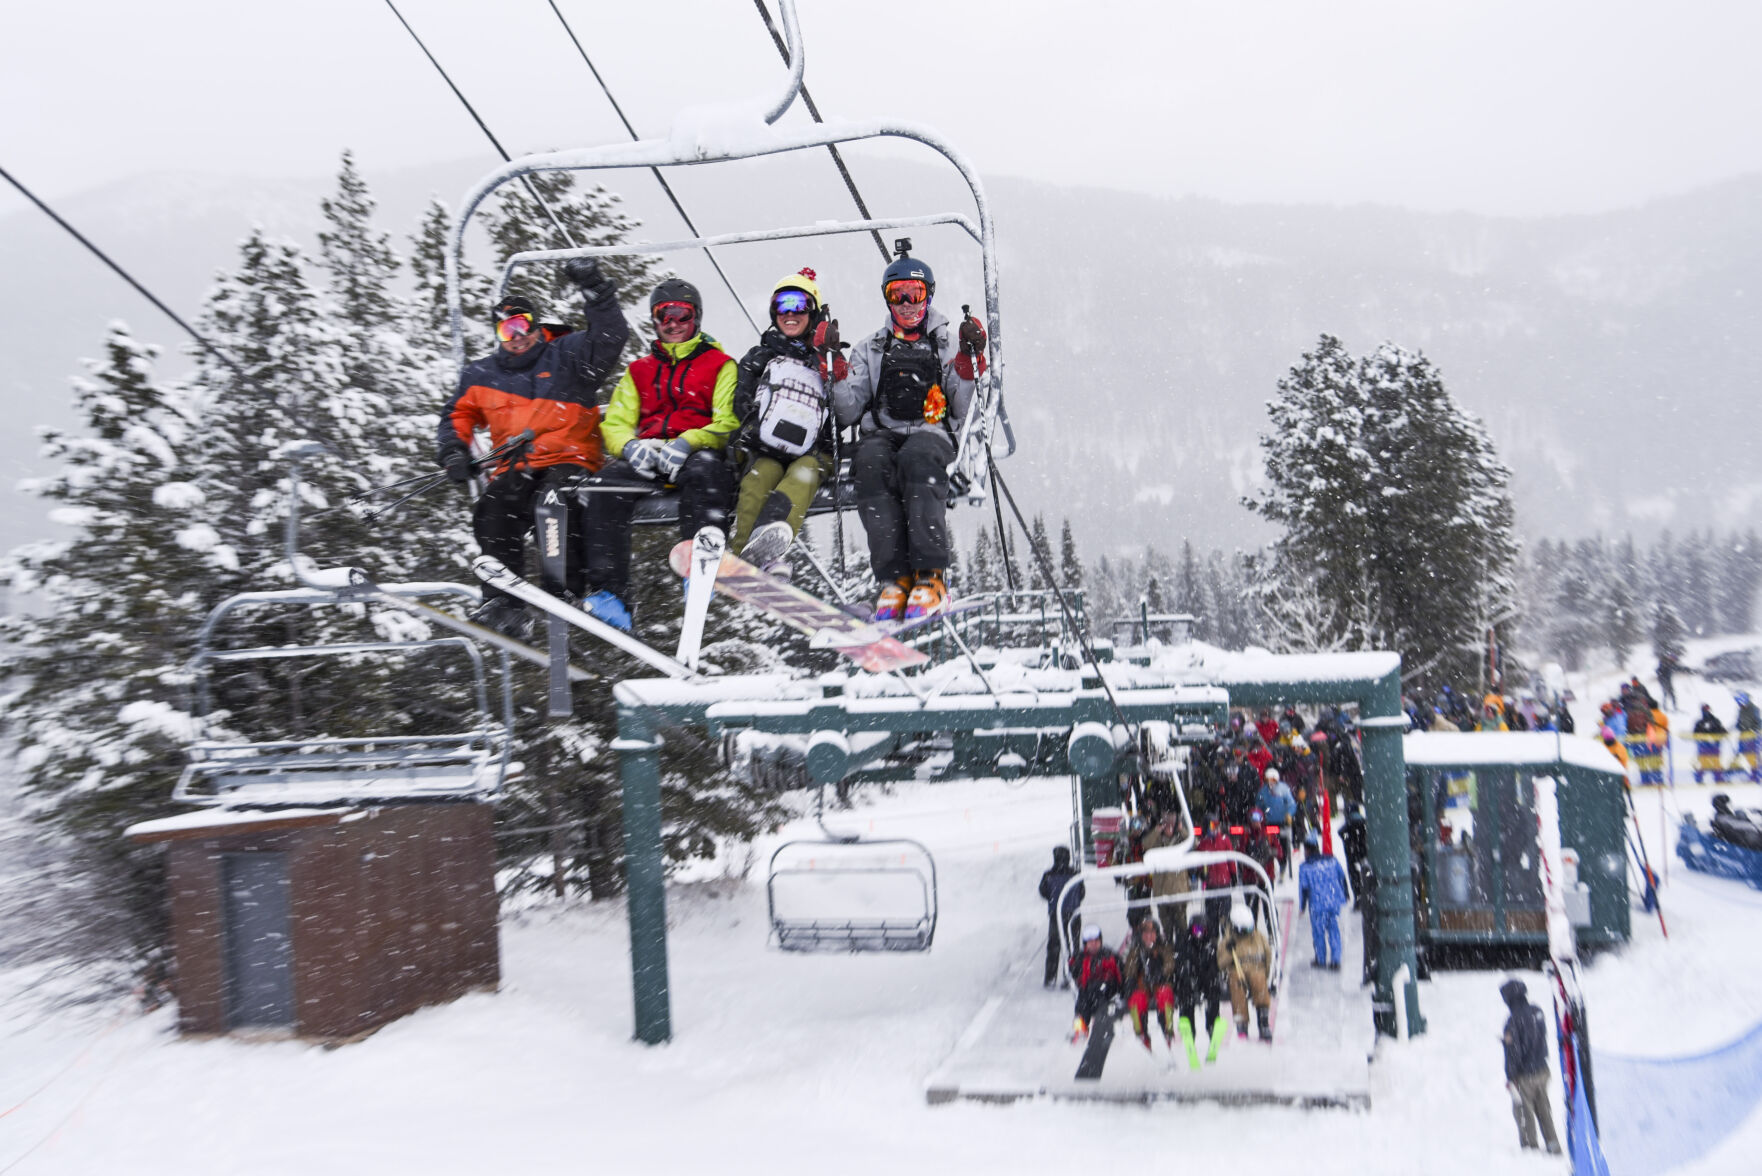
[607, 607]
[504, 615]
[890, 605]
[1079, 1030]
[767, 543]
[929, 595]
[1241, 1030]
[1266, 1029]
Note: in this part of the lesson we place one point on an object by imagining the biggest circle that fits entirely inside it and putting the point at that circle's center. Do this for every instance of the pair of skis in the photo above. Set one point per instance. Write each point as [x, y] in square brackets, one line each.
[1101, 1037]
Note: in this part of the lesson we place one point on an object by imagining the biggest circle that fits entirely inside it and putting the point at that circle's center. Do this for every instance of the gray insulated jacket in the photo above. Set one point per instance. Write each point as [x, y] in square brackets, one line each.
[854, 398]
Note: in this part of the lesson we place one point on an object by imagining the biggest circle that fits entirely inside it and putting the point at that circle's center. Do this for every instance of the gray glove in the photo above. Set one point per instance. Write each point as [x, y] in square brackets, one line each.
[644, 456]
[672, 458]
[595, 284]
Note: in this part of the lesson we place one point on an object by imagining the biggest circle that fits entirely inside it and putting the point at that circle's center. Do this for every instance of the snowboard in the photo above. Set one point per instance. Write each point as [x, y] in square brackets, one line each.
[1095, 1053]
[856, 639]
[471, 629]
[493, 572]
[705, 557]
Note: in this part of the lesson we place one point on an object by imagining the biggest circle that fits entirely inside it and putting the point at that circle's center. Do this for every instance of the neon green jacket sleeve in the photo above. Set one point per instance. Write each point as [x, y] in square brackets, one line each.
[618, 425]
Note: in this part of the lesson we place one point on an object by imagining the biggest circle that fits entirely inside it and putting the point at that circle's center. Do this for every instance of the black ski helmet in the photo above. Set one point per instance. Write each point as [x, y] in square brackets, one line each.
[509, 307]
[908, 269]
[677, 290]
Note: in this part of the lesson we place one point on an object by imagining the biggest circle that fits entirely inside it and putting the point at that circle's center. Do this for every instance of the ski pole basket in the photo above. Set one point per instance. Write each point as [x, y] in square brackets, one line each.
[852, 895]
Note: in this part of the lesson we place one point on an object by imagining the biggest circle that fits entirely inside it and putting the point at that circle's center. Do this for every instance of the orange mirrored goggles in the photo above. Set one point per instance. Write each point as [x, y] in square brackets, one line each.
[675, 312]
[907, 292]
[515, 326]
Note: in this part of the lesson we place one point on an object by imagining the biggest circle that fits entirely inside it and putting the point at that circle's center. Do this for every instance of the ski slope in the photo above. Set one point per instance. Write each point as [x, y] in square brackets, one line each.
[785, 1063]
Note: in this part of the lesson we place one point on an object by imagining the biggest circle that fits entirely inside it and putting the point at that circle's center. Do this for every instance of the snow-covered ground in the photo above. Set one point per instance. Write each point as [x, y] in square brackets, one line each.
[786, 1063]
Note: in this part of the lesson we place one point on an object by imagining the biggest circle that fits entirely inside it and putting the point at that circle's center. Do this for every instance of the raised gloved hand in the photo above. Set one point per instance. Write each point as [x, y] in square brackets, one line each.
[834, 367]
[670, 458]
[595, 284]
[972, 336]
[826, 336]
[644, 456]
[970, 362]
[456, 460]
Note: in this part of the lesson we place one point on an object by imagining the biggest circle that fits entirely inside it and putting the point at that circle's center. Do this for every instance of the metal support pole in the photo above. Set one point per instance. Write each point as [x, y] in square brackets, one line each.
[1385, 796]
[639, 761]
[551, 524]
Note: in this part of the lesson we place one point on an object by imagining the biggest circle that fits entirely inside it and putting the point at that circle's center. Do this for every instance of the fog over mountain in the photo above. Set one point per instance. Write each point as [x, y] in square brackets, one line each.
[1613, 356]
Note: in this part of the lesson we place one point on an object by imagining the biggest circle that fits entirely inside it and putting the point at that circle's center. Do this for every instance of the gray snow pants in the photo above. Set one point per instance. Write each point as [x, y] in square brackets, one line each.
[1529, 1104]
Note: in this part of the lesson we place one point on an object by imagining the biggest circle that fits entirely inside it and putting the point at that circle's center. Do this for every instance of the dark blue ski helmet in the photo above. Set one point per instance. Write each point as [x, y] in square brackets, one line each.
[908, 269]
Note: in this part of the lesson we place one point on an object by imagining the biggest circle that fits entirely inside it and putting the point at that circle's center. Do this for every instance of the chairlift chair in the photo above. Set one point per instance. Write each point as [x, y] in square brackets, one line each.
[985, 417]
[845, 868]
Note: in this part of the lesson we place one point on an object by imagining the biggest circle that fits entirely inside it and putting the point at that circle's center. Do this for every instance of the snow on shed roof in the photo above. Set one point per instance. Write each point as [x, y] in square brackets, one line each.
[1469, 748]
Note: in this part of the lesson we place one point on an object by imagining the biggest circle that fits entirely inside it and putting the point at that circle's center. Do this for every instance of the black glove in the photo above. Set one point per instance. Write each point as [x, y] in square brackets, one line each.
[456, 460]
[595, 284]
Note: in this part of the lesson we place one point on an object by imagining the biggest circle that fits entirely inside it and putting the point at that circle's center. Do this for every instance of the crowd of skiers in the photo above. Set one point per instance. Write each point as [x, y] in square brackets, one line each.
[1527, 710]
[1196, 932]
[1636, 729]
[746, 443]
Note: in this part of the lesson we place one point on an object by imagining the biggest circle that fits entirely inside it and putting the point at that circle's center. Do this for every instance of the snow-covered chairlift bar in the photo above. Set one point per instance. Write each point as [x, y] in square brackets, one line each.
[747, 136]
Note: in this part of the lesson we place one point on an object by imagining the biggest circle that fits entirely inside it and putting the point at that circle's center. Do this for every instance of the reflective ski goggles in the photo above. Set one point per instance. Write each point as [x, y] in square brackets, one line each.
[514, 326]
[672, 313]
[908, 292]
[791, 302]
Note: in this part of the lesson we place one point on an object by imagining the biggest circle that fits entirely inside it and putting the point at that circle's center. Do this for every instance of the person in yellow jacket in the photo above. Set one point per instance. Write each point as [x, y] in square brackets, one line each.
[1245, 958]
[669, 422]
[1493, 714]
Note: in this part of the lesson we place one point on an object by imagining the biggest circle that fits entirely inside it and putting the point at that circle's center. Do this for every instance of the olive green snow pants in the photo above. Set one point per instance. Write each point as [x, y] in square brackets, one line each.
[798, 482]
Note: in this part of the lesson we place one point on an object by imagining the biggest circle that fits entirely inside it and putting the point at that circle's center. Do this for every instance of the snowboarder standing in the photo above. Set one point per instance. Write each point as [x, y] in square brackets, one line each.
[1052, 885]
[909, 387]
[1150, 978]
[1321, 889]
[781, 397]
[669, 420]
[1245, 958]
[545, 378]
[1099, 980]
[1526, 1067]
[1709, 734]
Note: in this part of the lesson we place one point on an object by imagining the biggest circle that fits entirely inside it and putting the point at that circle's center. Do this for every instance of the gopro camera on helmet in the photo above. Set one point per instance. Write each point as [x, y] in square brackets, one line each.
[902, 246]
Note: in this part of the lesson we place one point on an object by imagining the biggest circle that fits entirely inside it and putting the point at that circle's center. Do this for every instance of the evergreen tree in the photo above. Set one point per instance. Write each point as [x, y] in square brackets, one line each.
[1040, 545]
[1697, 588]
[982, 572]
[1394, 501]
[1070, 571]
[95, 667]
[1668, 631]
[430, 319]
[1621, 625]
[1739, 571]
[1153, 595]
[1576, 609]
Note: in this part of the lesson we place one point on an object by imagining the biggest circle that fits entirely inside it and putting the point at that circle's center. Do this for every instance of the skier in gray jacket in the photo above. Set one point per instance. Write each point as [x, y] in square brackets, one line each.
[908, 388]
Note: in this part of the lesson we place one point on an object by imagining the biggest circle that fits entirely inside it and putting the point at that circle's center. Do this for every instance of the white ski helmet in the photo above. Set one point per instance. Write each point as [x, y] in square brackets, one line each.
[1241, 918]
[1272, 775]
[1091, 931]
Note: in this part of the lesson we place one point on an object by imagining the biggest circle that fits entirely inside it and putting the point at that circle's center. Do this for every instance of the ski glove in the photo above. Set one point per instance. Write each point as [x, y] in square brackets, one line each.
[644, 456]
[970, 363]
[670, 458]
[826, 336]
[595, 284]
[834, 368]
[457, 462]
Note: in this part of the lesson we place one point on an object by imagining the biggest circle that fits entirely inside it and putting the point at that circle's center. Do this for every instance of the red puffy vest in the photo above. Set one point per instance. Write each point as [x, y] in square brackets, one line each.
[676, 395]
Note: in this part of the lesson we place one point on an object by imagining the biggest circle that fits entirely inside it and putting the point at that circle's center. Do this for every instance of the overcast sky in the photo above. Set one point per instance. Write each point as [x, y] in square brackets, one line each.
[1521, 107]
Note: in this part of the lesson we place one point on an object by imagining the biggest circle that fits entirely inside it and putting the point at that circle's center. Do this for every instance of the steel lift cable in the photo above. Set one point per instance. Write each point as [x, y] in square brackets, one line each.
[655, 171]
[228, 361]
[478, 119]
[849, 182]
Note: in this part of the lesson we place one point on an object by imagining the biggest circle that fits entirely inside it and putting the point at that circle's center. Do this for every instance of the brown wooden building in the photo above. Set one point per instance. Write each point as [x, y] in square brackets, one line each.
[327, 923]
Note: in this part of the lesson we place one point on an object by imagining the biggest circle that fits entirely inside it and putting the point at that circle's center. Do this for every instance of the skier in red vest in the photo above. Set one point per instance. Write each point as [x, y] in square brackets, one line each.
[669, 422]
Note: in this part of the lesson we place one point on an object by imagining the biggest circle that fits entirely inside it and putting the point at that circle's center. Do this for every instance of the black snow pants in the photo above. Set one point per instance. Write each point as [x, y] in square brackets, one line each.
[902, 497]
[502, 518]
[706, 498]
[1055, 952]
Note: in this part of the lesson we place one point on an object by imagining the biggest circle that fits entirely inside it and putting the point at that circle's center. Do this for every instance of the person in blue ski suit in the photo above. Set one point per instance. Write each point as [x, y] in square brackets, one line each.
[1279, 806]
[1321, 889]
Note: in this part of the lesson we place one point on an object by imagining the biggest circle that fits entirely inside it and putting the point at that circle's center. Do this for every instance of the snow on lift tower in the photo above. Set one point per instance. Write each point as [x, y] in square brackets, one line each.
[749, 131]
[470, 763]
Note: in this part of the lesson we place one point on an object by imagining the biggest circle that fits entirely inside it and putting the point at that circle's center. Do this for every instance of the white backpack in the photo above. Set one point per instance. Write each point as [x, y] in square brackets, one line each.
[791, 401]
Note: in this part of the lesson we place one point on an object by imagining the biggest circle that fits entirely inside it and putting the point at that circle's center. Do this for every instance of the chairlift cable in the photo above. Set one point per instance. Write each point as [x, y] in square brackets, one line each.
[849, 181]
[481, 125]
[228, 361]
[655, 171]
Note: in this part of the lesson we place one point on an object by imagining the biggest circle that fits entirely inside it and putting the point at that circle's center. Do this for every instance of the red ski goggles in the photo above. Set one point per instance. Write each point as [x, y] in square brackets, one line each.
[673, 313]
[791, 302]
[514, 326]
[907, 292]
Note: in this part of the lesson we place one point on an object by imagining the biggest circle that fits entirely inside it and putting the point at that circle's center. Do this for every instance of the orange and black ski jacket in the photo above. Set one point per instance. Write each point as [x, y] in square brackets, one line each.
[552, 390]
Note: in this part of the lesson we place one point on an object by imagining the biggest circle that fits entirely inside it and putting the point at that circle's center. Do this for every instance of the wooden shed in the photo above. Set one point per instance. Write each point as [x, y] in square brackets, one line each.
[327, 923]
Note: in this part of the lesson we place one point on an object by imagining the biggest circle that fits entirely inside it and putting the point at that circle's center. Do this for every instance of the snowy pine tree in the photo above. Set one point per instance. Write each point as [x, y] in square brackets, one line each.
[1668, 631]
[1070, 568]
[1738, 574]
